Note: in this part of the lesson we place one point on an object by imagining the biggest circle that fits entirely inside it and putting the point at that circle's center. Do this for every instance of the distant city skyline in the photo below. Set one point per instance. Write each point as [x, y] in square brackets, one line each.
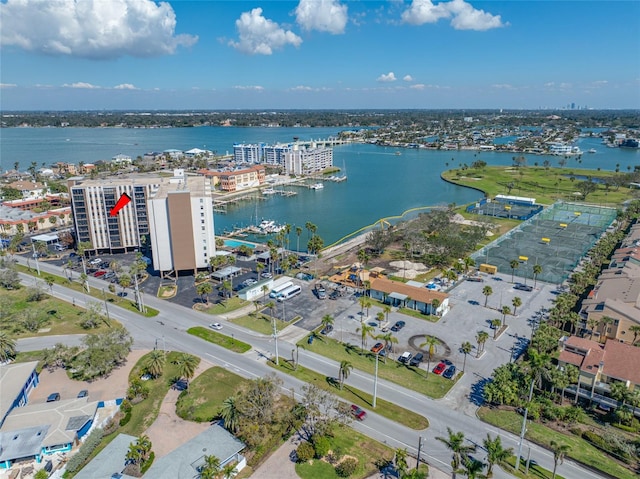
[319, 54]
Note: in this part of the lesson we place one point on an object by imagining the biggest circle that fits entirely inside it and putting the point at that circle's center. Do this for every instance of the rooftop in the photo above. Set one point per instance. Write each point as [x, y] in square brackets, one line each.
[12, 378]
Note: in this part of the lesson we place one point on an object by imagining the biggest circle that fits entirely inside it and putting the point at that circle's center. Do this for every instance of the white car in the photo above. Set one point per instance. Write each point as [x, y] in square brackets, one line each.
[95, 261]
[216, 326]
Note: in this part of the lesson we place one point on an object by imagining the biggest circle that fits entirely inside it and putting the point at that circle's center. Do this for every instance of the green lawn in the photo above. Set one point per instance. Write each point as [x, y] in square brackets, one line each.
[581, 450]
[367, 451]
[57, 317]
[206, 394]
[97, 294]
[363, 399]
[415, 379]
[535, 471]
[220, 339]
[546, 185]
[225, 307]
[260, 323]
[145, 413]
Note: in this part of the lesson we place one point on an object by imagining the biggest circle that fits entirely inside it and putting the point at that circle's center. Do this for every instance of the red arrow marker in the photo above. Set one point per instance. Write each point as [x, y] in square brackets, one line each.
[122, 202]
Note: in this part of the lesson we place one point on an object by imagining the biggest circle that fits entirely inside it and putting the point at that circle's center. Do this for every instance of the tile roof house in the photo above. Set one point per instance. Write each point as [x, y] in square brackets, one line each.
[397, 293]
[601, 364]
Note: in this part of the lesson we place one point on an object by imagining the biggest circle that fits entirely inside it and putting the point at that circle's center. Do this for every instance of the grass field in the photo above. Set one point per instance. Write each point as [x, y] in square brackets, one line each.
[547, 185]
[98, 294]
[227, 306]
[367, 451]
[206, 394]
[56, 317]
[412, 378]
[363, 399]
[581, 450]
[260, 323]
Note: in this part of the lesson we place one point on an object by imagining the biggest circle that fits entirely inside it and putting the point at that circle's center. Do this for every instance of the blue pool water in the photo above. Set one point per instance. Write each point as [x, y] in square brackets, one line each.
[237, 244]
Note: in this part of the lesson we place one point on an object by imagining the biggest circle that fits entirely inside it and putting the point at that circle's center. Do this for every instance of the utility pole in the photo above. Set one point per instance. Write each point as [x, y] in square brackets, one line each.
[419, 450]
[524, 427]
[106, 307]
[35, 255]
[375, 383]
[275, 337]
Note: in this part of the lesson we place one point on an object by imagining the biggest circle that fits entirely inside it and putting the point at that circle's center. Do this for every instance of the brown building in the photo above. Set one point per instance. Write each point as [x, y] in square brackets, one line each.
[237, 179]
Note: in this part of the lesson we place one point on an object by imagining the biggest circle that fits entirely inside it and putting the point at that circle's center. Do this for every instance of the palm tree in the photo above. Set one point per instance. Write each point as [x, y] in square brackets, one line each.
[473, 468]
[389, 340]
[270, 306]
[327, 320]
[495, 324]
[592, 323]
[505, 310]
[455, 443]
[211, 467]
[298, 233]
[432, 342]
[380, 317]
[154, 364]
[204, 290]
[635, 329]
[7, 347]
[496, 453]
[229, 414]
[487, 291]
[605, 321]
[229, 470]
[187, 365]
[516, 302]
[559, 452]
[364, 330]
[481, 338]
[387, 309]
[344, 371]
[514, 263]
[50, 280]
[265, 290]
[400, 461]
[466, 348]
[435, 304]
[84, 280]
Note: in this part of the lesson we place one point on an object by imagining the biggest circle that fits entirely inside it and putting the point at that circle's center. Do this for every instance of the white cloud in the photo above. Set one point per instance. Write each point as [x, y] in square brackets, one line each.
[599, 83]
[322, 15]
[82, 85]
[503, 86]
[389, 77]
[418, 86]
[249, 87]
[301, 88]
[8, 85]
[463, 15]
[407, 78]
[94, 29]
[125, 86]
[259, 35]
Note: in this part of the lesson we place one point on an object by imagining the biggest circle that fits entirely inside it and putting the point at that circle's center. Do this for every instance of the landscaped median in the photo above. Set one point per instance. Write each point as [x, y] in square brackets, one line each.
[413, 378]
[581, 451]
[383, 408]
[260, 323]
[219, 339]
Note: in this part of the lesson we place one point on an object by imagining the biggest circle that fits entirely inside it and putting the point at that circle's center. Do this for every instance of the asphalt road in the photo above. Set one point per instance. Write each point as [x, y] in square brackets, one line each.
[169, 328]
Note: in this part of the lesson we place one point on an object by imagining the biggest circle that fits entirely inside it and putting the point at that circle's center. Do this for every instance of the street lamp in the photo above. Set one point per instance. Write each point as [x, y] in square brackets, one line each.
[275, 337]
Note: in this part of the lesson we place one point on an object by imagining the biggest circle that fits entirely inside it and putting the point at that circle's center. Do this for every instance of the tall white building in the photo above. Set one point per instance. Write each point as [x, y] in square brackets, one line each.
[306, 161]
[181, 224]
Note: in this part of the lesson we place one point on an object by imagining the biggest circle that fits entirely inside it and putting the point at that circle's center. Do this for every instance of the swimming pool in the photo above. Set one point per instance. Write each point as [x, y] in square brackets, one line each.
[237, 244]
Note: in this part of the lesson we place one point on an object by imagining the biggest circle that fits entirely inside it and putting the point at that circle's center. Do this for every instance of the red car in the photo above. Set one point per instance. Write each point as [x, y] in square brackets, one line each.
[377, 348]
[358, 413]
[97, 274]
[441, 366]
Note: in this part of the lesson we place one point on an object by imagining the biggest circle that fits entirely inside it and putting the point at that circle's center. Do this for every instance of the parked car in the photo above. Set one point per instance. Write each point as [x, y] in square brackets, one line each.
[475, 279]
[405, 357]
[310, 340]
[327, 329]
[83, 394]
[72, 255]
[97, 274]
[440, 367]
[266, 275]
[523, 287]
[416, 360]
[358, 413]
[216, 326]
[377, 348]
[398, 326]
[95, 261]
[53, 397]
[449, 372]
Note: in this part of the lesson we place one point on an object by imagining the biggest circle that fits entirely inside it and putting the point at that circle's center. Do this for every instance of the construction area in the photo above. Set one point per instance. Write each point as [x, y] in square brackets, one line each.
[555, 238]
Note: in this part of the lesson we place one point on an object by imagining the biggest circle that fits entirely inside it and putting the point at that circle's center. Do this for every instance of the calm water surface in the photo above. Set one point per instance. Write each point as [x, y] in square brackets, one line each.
[381, 183]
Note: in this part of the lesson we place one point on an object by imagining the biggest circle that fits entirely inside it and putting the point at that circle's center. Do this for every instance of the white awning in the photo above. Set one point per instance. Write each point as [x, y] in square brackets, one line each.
[44, 237]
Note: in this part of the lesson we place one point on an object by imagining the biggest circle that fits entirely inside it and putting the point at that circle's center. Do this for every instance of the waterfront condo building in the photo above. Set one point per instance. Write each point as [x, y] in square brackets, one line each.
[172, 215]
[181, 225]
[237, 180]
[91, 202]
[306, 161]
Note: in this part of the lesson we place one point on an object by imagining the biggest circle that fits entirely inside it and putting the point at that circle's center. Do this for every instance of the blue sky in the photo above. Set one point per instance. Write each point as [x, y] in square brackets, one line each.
[310, 54]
